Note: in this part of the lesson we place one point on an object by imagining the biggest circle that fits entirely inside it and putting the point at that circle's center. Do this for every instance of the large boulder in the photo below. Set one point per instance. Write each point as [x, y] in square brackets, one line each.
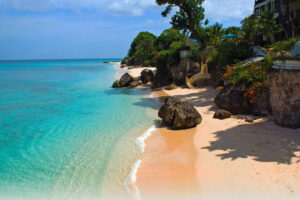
[232, 99]
[134, 84]
[147, 76]
[125, 80]
[284, 84]
[179, 115]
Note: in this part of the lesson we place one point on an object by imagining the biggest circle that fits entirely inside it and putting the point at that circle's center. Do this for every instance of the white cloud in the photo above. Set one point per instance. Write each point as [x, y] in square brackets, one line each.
[224, 10]
[117, 7]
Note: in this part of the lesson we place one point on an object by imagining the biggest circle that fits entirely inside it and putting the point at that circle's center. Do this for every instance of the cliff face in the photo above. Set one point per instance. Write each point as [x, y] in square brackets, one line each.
[284, 87]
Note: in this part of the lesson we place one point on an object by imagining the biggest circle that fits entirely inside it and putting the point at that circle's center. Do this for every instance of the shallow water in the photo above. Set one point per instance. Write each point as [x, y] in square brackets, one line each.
[64, 133]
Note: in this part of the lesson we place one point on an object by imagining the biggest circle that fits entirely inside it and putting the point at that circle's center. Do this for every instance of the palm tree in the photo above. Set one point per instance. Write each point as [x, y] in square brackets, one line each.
[266, 25]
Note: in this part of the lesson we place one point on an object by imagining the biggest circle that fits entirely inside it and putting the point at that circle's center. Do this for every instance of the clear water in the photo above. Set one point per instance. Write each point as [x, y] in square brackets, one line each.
[64, 133]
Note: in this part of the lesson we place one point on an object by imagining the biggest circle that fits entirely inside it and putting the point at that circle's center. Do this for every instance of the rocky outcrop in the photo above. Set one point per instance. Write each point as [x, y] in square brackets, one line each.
[231, 98]
[284, 84]
[134, 84]
[179, 115]
[171, 87]
[163, 77]
[183, 69]
[116, 84]
[125, 80]
[147, 76]
[222, 114]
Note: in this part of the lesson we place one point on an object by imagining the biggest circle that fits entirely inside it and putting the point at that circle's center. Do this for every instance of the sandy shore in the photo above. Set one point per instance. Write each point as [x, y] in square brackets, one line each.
[219, 159]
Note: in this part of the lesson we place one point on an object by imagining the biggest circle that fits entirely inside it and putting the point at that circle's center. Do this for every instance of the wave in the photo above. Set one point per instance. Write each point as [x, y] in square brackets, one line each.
[130, 180]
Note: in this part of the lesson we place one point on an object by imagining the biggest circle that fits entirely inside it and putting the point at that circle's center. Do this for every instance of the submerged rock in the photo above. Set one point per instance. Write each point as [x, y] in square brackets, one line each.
[222, 114]
[125, 80]
[179, 115]
[147, 76]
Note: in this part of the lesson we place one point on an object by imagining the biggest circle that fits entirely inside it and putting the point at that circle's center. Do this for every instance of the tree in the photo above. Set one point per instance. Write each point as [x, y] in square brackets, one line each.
[249, 28]
[140, 42]
[215, 32]
[166, 38]
[267, 26]
[233, 30]
[189, 17]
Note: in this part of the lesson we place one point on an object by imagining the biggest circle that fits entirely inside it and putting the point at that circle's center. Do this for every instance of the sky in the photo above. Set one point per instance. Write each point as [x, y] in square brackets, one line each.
[54, 29]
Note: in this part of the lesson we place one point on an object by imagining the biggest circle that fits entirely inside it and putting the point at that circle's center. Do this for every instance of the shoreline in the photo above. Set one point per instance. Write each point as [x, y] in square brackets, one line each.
[233, 157]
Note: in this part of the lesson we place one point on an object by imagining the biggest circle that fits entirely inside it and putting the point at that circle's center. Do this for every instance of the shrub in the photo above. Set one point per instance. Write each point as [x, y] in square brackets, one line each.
[254, 75]
[282, 48]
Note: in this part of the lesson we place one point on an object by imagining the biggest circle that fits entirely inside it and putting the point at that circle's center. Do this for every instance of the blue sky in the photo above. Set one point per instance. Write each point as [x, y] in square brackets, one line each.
[44, 29]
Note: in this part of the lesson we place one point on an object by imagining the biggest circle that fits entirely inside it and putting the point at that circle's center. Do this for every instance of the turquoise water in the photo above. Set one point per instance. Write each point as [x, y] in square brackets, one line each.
[64, 133]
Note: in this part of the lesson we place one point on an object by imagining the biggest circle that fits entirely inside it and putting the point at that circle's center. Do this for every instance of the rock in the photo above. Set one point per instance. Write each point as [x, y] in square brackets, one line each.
[134, 84]
[296, 51]
[231, 98]
[125, 80]
[222, 114]
[147, 76]
[179, 115]
[284, 86]
[171, 87]
[162, 77]
[125, 61]
[137, 78]
[116, 84]
[249, 119]
[123, 65]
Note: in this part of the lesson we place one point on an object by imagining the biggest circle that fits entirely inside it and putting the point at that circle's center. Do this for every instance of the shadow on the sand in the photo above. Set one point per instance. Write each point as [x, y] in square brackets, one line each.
[268, 145]
[199, 99]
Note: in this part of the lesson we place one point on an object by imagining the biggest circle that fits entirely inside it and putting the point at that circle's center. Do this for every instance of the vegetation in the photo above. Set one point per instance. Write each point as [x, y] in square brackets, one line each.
[254, 75]
[190, 17]
[283, 48]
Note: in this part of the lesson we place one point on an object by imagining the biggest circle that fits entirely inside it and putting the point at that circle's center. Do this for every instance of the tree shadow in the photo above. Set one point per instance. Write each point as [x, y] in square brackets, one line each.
[262, 141]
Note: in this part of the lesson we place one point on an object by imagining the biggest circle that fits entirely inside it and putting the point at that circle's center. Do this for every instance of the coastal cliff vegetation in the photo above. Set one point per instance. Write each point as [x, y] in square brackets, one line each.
[235, 60]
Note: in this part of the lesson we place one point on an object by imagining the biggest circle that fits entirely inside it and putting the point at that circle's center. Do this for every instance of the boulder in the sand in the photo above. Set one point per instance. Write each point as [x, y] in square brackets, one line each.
[249, 119]
[232, 99]
[222, 114]
[116, 84]
[171, 87]
[134, 84]
[179, 115]
[147, 76]
[125, 80]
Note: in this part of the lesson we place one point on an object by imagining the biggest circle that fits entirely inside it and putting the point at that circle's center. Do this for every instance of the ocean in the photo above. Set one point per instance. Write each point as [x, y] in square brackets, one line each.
[66, 134]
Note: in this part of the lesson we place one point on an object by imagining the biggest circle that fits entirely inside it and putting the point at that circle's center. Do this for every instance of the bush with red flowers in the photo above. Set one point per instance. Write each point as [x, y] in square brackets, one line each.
[254, 75]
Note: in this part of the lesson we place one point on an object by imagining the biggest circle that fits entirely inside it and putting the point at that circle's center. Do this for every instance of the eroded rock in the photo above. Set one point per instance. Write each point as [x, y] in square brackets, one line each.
[179, 115]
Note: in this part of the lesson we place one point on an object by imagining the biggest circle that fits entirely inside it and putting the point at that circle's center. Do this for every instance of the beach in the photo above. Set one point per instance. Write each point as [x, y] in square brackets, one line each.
[219, 159]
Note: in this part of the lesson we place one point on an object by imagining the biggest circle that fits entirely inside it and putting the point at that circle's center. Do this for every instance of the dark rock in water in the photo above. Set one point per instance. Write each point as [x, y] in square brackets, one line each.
[116, 84]
[122, 66]
[134, 84]
[232, 99]
[147, 76]
[125, 80]
[179, 115]
[222, 114]
[163, 77]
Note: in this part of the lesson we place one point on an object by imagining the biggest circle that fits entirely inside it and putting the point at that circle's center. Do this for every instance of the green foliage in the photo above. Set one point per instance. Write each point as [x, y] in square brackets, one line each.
[215, 32]
[195, 54]
[171, 56]
[189, 17]
[166, 38]
[283, 48]
[143, 39]
[249, 28]
[232, 30]
[230, 51]
[264, 25]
